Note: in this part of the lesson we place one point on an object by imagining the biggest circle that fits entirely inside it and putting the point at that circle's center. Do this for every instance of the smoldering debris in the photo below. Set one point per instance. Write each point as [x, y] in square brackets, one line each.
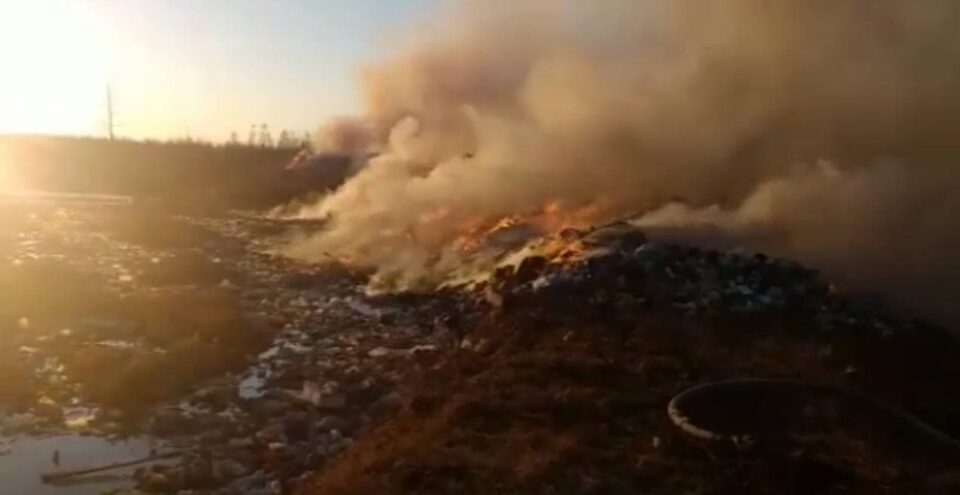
[820, 130]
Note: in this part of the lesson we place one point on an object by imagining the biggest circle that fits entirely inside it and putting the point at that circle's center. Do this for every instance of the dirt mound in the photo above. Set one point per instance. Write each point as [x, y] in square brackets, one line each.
[561, 385]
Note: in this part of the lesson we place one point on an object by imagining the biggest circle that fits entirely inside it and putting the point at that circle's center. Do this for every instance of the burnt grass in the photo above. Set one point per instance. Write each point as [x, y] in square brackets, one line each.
[568, 396]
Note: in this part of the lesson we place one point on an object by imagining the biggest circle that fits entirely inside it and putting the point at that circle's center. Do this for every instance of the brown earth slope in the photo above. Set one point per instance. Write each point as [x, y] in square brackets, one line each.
[553, 401]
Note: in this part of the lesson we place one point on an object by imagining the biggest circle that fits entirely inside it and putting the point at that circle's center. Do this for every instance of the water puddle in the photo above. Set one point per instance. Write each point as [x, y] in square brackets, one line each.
[24, 460]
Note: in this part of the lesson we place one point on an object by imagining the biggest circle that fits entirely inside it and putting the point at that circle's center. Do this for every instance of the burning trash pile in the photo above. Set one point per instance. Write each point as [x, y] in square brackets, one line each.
[615, 265]
[336, 358]
[545, 312]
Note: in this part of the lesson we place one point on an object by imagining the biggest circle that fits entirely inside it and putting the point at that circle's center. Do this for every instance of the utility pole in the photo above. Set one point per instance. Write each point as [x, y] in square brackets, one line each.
[110, 113]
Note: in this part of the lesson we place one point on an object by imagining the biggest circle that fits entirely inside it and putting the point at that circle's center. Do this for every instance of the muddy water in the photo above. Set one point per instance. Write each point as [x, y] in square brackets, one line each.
[23, 460]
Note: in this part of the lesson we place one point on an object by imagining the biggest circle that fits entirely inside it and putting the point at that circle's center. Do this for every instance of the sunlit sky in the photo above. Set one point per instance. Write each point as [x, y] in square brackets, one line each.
[199, 68]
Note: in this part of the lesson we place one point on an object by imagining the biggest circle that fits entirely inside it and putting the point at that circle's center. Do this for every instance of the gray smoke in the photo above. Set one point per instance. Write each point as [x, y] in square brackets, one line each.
[823, 130]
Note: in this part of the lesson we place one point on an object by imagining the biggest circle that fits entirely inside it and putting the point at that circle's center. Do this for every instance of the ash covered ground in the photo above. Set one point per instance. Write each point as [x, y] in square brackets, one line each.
[549, 374]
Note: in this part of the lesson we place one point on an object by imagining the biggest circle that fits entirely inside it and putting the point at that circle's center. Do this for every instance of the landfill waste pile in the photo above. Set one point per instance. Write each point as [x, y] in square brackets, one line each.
[578, 341]
[617, 264]
[549, 371]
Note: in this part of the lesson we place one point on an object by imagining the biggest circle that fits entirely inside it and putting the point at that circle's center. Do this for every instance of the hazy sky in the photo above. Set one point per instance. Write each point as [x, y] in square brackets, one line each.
[201, 68]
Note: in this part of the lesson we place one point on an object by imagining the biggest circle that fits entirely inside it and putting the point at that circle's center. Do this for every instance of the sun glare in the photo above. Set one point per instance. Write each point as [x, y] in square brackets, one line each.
[8, 182]
[53, 69]
[9, 179]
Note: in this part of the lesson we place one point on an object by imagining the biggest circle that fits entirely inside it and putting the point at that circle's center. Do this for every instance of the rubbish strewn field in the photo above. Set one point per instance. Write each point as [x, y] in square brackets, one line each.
[190, 336]
[125, 322]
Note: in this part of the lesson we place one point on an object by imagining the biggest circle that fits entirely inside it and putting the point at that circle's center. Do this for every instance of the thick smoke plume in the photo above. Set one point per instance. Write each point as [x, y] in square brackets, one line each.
[823, 130]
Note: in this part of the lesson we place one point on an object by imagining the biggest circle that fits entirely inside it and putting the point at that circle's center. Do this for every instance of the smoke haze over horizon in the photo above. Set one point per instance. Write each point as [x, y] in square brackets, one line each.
[824, 131]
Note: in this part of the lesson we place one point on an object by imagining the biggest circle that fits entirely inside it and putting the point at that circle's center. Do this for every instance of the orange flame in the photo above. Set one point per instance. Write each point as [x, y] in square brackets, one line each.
[552, 218]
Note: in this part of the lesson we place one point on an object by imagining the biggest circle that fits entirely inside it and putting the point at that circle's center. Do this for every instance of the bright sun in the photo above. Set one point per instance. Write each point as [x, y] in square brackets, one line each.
[53, 69]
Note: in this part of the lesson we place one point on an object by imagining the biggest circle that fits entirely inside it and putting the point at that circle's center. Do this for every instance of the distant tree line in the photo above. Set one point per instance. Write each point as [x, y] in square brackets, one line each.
[261, 136]
[184, 173]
